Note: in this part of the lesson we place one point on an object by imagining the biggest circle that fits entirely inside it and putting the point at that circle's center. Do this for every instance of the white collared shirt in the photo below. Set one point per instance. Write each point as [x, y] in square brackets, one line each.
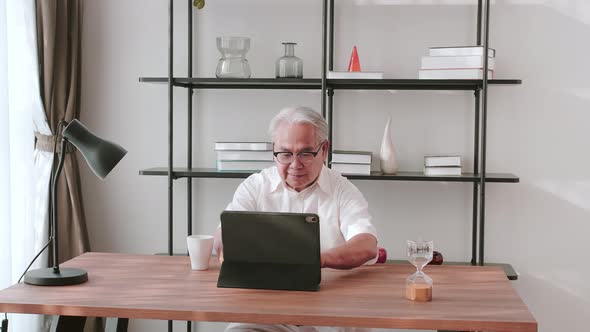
[342, 209]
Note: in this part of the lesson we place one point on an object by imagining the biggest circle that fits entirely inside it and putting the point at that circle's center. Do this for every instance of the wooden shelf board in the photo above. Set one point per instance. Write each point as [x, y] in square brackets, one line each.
[401, 176]
[336, 84]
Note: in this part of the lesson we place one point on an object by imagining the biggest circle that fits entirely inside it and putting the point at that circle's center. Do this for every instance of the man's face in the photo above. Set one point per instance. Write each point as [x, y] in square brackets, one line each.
[298, 138]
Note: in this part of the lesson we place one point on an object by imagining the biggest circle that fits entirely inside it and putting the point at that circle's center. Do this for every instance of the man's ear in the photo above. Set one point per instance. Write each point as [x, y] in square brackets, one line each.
[325, 149]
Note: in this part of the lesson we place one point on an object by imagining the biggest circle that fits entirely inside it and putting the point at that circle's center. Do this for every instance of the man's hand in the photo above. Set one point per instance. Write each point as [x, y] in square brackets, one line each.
[353, 253]
[218, 245]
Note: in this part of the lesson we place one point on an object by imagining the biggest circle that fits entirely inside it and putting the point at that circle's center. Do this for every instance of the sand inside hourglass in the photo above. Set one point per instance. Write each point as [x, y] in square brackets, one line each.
[419, 292]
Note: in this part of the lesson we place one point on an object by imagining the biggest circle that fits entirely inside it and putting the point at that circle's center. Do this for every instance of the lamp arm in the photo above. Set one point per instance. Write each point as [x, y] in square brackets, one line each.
[54, 241]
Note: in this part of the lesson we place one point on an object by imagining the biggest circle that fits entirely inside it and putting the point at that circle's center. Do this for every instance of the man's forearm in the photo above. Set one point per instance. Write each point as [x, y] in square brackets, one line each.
[353, 253]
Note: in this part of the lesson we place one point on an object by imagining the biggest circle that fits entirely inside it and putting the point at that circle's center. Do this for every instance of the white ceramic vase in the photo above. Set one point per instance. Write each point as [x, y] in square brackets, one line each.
[387, 155]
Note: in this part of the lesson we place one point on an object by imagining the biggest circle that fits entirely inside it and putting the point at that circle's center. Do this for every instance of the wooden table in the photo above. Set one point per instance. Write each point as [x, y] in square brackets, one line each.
[164, 287]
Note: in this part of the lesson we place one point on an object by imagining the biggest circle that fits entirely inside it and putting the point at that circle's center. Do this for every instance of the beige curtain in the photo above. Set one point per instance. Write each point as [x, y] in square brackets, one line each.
[58, 41]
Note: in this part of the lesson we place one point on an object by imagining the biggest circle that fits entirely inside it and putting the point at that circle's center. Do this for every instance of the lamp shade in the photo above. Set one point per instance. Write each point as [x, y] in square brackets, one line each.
[101, 155]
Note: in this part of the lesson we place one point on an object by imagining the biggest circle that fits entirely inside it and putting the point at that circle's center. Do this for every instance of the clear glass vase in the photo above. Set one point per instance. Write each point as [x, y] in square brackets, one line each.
[233, 63]
[289, 66]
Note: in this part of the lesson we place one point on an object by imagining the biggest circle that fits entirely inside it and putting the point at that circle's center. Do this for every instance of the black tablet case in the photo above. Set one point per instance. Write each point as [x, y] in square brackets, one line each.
[270, 250]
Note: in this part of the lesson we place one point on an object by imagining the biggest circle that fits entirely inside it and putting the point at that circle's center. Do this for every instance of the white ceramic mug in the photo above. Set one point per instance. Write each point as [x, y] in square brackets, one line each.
[199, 250]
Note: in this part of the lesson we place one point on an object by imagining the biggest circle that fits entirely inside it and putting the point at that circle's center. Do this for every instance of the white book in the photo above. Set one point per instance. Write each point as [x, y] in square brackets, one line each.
[442, 160]
[453, 74]
[346, 168]
[353, 157]
[244, 155]
[243, 165]
[257, 146]
[355, 75]
[460, 50]
[442, 171]
[446, 62]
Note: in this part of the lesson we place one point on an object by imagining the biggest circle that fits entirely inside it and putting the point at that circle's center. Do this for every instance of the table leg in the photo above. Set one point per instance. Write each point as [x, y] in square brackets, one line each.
[67, 324]
[116, 324]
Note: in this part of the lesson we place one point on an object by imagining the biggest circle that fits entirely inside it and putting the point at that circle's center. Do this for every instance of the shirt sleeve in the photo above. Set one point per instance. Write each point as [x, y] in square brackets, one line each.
[245, 196]
[354, 214]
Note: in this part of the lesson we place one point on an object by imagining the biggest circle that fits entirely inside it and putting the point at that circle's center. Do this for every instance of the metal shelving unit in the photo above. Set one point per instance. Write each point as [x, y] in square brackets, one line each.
[479, 177]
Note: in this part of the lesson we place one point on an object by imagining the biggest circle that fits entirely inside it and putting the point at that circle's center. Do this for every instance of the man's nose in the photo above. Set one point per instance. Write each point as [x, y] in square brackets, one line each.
[296, 163]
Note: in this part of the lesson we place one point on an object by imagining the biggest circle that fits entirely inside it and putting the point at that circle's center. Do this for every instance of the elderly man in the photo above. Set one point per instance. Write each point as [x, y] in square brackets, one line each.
[301, 183]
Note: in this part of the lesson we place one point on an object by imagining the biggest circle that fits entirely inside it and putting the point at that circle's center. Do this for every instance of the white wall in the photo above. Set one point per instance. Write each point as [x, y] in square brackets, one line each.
[536, 130]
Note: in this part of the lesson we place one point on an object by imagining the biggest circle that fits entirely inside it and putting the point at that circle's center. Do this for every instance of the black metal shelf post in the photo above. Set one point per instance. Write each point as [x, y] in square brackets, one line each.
[475, 192]
[170, 131]
[484, 112]
[329, 21]
[189, 113]
[324, 52]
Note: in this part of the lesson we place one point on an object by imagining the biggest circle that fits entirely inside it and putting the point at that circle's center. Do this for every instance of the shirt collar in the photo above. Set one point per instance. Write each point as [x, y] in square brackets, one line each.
[322, 181]
[276, 180]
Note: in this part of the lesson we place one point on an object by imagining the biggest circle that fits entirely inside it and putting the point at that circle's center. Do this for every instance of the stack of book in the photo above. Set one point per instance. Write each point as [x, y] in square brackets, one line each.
[446, 164]
[457, 62]
[352, 162]
[243, 156]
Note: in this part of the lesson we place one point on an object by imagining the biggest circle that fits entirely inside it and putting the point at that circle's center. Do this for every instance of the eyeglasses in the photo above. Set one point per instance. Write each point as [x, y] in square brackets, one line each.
[305, 157]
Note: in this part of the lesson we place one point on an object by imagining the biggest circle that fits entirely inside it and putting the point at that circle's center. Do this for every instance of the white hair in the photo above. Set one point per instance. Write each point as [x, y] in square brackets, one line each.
[300, 115]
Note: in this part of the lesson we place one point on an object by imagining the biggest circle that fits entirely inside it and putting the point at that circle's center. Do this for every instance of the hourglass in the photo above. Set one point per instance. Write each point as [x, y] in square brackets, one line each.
[419, 285]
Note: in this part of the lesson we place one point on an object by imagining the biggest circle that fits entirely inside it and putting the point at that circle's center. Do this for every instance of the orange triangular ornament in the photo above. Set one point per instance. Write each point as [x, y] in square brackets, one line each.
[354, 63]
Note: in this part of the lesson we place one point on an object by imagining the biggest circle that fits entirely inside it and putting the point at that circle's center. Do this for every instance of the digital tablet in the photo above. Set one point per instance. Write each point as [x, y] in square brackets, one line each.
[270, 250]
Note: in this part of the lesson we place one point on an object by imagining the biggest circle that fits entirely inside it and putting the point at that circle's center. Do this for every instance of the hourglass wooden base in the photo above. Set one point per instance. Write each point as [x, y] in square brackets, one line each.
[419, 292]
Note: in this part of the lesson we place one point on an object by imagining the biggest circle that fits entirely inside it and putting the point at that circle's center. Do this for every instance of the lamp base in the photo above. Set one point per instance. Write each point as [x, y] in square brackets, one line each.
[65, 277]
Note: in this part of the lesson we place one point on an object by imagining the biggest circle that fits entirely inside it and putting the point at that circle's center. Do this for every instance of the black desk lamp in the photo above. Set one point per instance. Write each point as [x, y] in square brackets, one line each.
[102, 156]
